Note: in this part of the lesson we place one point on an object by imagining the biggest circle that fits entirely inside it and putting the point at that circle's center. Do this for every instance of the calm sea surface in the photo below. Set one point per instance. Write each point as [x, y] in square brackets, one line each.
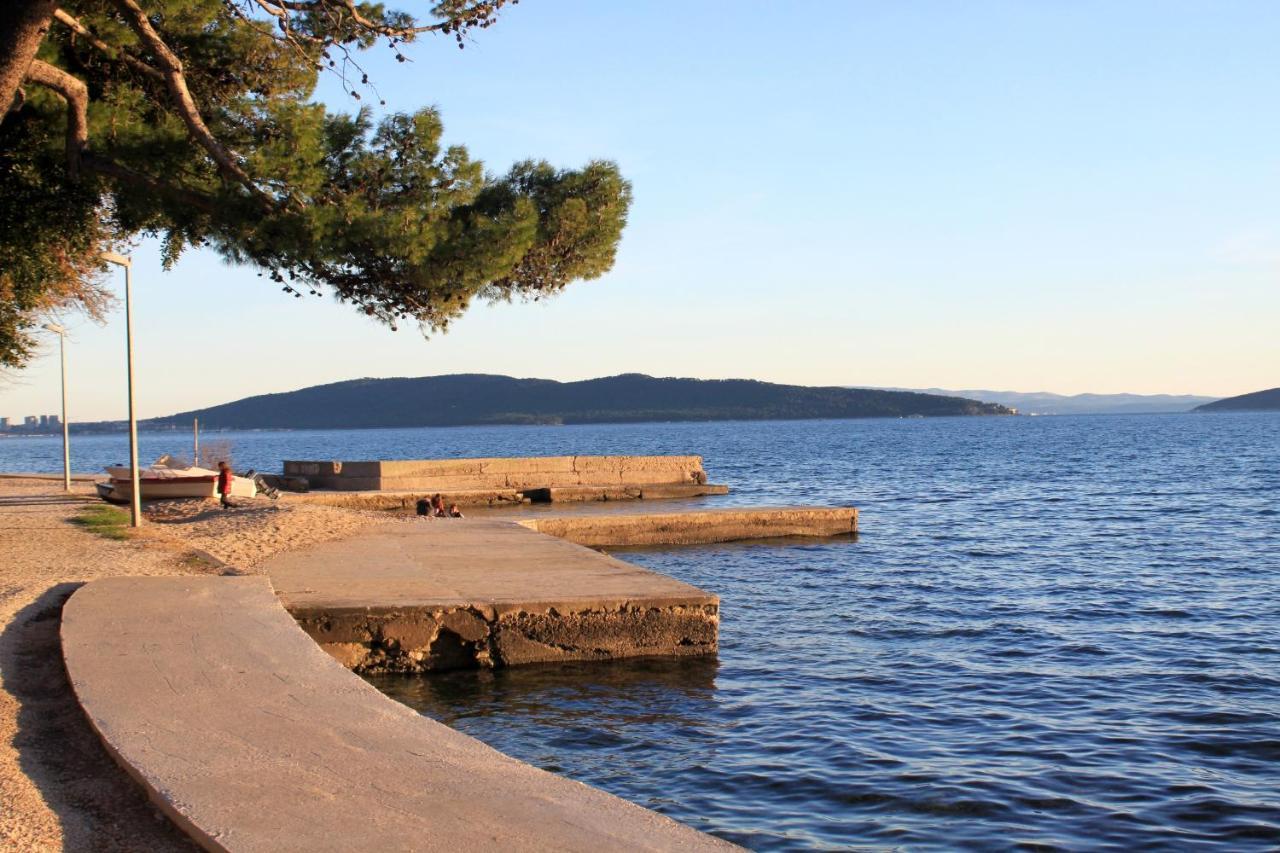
[1052, 631]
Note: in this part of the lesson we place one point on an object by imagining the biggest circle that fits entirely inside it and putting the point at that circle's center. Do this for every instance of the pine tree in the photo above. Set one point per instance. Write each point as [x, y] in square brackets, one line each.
[193, 120]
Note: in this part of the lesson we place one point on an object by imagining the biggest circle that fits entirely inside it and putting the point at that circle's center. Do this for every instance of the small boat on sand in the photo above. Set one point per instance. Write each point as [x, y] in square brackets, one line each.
[163, 481]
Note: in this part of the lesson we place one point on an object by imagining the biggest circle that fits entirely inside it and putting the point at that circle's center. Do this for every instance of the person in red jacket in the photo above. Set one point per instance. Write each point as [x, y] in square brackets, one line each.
[224, 484]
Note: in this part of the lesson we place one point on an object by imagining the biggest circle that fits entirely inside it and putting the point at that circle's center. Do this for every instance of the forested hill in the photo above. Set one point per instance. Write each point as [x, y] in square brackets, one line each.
[481, 399]
[1258, 401]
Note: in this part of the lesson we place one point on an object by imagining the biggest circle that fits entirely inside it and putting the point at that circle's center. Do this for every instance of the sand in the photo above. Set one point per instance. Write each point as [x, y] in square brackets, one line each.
[59, 790]
[256, 528]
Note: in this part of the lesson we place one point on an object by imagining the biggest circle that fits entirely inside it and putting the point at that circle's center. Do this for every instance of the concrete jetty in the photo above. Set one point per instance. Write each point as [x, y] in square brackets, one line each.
[406, 499]
[506, 479]
[696, 526]
[250, 738]
[435, 594]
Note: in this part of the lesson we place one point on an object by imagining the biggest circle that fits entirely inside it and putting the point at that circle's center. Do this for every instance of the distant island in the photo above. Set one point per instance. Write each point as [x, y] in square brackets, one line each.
[477, 399]
[1258, 401]
[1046, 403]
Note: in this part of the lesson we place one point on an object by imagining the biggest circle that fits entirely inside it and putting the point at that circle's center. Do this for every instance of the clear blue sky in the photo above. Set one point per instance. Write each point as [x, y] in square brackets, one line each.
[1062, 196]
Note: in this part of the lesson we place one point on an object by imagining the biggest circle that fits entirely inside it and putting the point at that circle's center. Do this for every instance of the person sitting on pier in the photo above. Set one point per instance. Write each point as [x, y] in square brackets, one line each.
[437, 506]
[424, 508]
[454, 512]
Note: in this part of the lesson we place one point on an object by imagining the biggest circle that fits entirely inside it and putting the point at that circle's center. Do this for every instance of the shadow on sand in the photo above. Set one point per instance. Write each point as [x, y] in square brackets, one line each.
[98, 805]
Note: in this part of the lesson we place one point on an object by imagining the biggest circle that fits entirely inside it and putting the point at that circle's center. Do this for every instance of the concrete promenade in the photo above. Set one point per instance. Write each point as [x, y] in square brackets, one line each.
[211, 693]
[434, 594]
[250, 738]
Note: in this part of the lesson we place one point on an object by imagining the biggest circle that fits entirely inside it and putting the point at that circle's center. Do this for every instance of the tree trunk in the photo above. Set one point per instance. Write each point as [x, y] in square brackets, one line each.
[23, 24]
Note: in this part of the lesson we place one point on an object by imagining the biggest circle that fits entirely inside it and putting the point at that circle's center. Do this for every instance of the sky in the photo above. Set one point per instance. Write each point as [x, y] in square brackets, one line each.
[1058, 195]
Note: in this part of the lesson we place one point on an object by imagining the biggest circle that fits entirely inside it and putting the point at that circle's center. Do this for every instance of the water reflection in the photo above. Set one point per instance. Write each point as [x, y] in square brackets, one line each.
[601, 697]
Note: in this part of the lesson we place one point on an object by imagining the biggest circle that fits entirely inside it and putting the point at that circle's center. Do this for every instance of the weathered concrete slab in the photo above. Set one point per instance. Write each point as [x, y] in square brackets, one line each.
[691, 527]
[435, 594]
[252, 739]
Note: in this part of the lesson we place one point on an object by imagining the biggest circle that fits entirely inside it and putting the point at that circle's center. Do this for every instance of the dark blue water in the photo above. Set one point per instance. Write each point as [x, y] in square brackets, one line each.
[1052, 631]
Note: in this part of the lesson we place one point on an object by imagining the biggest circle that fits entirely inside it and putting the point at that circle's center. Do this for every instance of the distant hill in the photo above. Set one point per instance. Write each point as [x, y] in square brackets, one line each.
[464, 399]
[1044, 403]
[1258, 401]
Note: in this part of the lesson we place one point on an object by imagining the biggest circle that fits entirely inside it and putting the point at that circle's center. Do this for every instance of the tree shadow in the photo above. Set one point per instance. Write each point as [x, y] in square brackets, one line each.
[97, 804]
[44, 500]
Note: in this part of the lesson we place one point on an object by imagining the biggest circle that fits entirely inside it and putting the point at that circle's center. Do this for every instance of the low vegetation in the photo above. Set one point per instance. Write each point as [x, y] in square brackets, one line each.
[107, 521]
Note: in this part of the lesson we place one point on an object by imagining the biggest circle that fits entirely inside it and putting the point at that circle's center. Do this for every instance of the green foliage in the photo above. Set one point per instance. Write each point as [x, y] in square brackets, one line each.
[50, 236]
[380, 214]
[107, 521]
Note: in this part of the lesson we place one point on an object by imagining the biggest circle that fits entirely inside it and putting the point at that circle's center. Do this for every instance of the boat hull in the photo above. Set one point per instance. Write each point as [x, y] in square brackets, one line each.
[171, 487]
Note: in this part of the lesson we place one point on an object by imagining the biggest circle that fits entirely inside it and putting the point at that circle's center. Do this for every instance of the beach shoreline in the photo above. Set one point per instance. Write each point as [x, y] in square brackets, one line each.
[59, 789]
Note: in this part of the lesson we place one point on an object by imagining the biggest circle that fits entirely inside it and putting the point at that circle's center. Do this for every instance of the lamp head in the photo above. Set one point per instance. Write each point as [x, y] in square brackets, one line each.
[114, 258]
[55, 328]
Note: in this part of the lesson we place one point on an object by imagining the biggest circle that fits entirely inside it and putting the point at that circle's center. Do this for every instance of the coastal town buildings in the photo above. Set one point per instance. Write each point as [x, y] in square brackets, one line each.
[32, 424]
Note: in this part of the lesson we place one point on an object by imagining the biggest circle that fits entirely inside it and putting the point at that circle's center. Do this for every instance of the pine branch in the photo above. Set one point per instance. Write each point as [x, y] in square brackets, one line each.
[106, 49]
[175, 79]
[76, 94]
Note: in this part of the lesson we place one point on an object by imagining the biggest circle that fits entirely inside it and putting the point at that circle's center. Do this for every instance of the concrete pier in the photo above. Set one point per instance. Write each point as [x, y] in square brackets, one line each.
[251, 739]
[498, 473]
[696, 526]
[405, 499]
[435, 594]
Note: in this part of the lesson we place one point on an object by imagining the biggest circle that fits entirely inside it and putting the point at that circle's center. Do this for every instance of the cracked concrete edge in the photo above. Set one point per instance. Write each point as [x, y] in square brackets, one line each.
[431, 639]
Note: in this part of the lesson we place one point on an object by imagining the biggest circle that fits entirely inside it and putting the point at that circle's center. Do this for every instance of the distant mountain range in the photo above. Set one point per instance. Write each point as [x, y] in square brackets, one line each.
[1258, 401]
[466, 399]
[1044, 403]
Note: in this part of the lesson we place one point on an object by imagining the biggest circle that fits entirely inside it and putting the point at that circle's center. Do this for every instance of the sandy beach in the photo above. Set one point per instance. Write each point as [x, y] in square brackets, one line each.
[58, 787]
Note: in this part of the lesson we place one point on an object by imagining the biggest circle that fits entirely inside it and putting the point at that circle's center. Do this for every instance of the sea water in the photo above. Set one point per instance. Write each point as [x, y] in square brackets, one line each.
[1051, 631]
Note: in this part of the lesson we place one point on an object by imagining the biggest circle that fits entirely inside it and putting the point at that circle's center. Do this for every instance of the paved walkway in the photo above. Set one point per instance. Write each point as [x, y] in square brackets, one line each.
[249, 735]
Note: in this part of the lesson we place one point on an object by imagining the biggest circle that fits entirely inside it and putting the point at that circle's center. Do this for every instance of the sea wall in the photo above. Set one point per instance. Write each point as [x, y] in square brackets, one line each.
[518, 473]
[435, 638]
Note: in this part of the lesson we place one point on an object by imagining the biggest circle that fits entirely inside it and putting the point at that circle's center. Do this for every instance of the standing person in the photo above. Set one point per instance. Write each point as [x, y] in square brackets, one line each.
[224, 483]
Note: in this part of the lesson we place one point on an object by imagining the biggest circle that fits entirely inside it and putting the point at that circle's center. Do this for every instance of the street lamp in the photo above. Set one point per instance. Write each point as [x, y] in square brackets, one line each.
[135, 509]
[66, 444]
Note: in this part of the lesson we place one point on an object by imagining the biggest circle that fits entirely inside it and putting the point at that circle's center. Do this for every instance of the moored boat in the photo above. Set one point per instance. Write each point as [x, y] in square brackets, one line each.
[161, 481]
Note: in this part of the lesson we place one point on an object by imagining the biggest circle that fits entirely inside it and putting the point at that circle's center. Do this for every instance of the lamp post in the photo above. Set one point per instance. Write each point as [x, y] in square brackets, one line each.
[135, 509]
[66, 444]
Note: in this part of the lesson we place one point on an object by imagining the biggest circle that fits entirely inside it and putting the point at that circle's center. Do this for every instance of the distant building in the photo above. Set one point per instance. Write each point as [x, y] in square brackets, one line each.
[31, 422]
[4, 424]
[44, 422]
[54, 421]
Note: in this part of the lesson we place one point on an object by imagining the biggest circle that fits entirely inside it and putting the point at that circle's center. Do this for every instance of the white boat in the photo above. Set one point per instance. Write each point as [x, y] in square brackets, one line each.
[162, 481]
